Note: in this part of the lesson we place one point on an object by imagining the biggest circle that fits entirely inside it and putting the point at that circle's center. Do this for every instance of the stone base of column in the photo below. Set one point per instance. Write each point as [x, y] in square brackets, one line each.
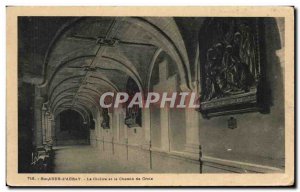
[146, 145]
[193, 150]
[49, 144]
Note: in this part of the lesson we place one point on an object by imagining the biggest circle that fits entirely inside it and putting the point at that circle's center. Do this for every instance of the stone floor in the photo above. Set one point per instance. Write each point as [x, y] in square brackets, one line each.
[85, 159]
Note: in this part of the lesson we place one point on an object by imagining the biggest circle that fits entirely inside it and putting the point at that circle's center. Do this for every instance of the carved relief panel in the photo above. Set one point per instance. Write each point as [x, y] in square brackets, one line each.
[106, 119]
[133, 114]
[232, 76]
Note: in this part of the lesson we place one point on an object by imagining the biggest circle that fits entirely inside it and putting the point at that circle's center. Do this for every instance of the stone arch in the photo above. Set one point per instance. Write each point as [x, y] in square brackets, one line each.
[172, 36]
[71, 128]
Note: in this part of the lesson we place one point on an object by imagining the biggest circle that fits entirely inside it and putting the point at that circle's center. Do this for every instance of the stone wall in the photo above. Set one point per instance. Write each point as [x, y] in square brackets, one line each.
[258, 138]
[256, 145]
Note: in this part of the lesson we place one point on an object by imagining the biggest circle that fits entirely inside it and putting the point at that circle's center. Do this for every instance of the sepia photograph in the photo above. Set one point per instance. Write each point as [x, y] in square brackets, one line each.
[119, 97]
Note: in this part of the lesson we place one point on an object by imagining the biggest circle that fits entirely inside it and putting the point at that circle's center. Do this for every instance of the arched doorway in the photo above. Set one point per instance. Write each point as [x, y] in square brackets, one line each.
[71, 129]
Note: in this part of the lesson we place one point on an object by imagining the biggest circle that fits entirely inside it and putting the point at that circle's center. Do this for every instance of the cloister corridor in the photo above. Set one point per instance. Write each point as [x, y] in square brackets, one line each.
[68, 65]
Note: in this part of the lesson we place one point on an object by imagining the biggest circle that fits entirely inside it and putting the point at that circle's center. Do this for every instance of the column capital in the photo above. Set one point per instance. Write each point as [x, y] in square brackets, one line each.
[185, 88]
[195, 87]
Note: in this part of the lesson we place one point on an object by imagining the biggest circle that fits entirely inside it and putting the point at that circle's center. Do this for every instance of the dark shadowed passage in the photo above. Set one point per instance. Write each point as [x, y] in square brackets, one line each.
[70, 129]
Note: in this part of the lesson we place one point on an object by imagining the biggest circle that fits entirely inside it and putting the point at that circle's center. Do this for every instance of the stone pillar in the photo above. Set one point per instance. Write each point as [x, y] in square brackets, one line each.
[49, 121]
[111, 130]
[165, 140]
[117, 124]
[52, 128]
[166, 84]
[101, 130]
[192, 128]
[49, 126]
[146, 126]
[125, 132]
[38, 130]
[57, 128]
[44, 125]
[98, 126]
[123, 126]
[192, 131]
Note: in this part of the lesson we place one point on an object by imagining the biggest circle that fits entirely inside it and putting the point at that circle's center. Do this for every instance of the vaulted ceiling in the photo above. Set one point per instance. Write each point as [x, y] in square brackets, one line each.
[86, 57]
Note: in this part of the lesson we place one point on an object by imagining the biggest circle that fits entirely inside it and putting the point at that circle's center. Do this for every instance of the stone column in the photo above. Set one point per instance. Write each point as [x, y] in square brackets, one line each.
[44, 125]
[117, 124]
[192, 131]
[165, 84]
[47, 127]
[98, 126]
[192, 128]
[125, 132]
[38, 130]
[52, 128]
[164, 119]
[146, 121]
[57, 128]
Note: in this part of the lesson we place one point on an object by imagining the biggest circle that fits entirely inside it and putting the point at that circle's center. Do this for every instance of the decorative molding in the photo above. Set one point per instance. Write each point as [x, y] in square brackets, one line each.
[207, 161]
[238, 166]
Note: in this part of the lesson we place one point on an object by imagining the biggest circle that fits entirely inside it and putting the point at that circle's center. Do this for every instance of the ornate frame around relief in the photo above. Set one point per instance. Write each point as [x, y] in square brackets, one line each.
[231, 66]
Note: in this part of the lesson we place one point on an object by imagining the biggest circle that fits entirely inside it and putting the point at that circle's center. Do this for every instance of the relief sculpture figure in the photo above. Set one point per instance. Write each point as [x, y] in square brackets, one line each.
[231, 66]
